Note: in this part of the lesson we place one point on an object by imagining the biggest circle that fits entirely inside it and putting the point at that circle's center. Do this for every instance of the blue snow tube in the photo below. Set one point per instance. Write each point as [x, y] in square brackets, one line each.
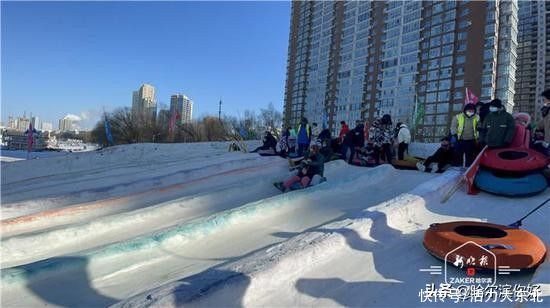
[518, 186]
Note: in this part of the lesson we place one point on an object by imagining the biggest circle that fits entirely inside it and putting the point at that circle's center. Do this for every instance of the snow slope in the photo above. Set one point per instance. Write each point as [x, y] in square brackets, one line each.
[191, 224]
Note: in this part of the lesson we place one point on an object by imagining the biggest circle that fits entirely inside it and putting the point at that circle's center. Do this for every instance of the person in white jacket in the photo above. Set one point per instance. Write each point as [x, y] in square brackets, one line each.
[403, 140]
[315, 131]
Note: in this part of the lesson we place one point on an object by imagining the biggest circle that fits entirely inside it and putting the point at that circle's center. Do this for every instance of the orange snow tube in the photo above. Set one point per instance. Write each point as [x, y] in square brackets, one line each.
[512, 247]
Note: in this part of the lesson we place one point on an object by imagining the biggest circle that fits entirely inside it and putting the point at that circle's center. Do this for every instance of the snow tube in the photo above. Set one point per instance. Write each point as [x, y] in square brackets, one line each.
[408, 163]
[515, 159]
[524, 185]
[269, 152]
[513, 247]
[368, 162]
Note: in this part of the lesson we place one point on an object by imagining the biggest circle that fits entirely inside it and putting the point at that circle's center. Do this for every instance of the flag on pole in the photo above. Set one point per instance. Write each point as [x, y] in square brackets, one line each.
[172, 124]
[30, 134]
[470, 98]
[108, 131]
[417, 114]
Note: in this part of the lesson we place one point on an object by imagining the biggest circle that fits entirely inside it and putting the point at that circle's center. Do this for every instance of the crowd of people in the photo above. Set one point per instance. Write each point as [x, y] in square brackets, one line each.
[478, 125]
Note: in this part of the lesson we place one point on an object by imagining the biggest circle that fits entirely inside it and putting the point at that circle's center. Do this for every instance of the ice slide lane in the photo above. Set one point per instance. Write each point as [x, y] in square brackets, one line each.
[75, 237]
[59, 216]
[369, 260]
[143, 249]
[114, 182]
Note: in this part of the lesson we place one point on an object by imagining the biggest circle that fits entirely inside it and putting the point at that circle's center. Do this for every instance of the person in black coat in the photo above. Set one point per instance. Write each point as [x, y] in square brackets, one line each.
[443, 157]
[269, 142]
[356, 140]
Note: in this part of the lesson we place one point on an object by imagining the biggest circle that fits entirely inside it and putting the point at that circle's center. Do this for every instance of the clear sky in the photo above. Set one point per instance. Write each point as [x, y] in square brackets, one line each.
[77, 58]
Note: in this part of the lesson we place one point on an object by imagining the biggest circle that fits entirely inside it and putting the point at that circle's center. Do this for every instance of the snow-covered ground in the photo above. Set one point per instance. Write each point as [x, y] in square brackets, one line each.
[7, 156]
[191, 224]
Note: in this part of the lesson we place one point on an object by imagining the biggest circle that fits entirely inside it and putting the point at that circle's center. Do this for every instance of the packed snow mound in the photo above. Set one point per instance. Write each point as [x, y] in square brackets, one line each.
[191, 224]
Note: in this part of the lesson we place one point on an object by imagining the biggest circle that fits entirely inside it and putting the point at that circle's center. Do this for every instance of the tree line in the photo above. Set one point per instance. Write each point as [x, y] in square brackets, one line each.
[127, 127]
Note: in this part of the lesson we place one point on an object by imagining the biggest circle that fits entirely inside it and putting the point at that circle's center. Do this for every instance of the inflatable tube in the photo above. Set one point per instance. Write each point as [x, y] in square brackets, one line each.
[515, 159]
[268, 152]
[408, 163]
[513, 247]
[526, 185]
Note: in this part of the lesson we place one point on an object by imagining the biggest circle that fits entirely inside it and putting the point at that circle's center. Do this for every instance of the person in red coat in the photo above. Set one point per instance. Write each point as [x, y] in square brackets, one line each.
[344, 129]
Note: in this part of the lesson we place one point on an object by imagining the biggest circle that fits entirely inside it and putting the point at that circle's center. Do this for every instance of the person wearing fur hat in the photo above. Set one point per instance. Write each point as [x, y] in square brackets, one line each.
[465, 135]
[522, 137]
[498, 128]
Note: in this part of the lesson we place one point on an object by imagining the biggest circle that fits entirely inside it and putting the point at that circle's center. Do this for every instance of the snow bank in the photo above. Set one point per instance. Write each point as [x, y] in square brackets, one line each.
[129, 155]
[16, 155]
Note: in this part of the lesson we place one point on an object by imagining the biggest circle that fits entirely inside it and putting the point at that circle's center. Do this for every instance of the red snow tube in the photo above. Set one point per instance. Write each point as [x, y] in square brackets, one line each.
[516, 159]
[512, 247]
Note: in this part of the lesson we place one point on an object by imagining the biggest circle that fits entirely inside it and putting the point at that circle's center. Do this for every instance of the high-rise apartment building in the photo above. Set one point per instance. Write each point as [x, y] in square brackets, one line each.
[533, 63]
[35, 122]
[47, 126]
[67, 123]
[12, 122]
[183, 106]
[23, 123]
[144, 103]
[351, 60]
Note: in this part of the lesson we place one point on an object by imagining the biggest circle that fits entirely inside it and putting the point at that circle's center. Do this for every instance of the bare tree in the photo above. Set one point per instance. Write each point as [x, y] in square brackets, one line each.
[272, 119]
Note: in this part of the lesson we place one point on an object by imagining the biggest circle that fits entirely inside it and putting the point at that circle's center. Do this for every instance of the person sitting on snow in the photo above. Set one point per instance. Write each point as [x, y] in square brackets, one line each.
[498, 128]
[310, 171]
[365, 156]
[269, 144]
[440, 160]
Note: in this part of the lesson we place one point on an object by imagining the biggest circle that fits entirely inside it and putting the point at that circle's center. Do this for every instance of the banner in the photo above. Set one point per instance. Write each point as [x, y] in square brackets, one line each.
[417, 114]
[30, 140]
[108, 131]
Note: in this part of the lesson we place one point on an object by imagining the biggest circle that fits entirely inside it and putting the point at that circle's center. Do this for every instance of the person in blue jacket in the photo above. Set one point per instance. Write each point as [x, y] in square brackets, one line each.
[304, 136]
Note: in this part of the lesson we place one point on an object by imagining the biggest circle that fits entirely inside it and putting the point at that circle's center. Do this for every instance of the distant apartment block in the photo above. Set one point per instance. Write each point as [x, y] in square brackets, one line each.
[533, 63]
[183, 106]
[23, 123]
[35, 121]
[144, 103]
[47, 126]
[359, 60]
[66, 124]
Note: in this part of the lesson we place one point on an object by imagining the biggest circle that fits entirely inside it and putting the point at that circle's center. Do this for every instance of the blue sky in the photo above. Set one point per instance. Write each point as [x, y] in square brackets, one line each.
[77, 58]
